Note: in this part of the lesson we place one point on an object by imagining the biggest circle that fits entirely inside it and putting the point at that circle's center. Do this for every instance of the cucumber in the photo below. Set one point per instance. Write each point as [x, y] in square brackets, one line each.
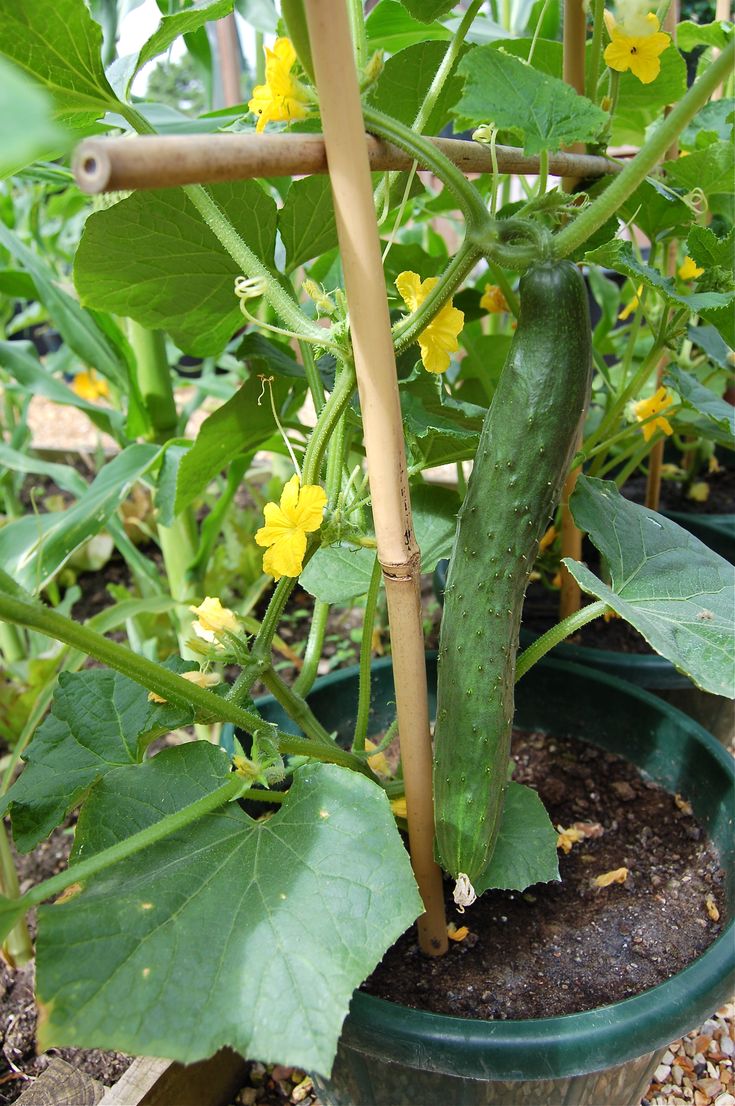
[528, 440]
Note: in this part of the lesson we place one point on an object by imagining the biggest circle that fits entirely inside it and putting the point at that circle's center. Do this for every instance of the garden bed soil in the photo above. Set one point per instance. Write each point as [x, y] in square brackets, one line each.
[720, 501]
[561, 948]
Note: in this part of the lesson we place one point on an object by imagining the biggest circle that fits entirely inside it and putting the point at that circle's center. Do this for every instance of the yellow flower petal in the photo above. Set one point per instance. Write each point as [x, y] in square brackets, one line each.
[637, 53]
[410, 289]
[646, 408]
[632, 305]
[285, 557]
[493, 300]
[398, 806]
[212, 616]
[282, 98]
[89, 386]
[440, 338]
[201, 679]
[619, 875]
[689, 270]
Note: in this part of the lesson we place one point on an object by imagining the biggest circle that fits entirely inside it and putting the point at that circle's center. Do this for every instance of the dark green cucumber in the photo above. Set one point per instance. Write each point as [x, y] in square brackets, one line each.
[527, 442]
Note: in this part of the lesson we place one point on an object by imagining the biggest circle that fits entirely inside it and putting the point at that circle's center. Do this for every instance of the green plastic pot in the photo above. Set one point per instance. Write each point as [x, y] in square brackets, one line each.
[648, 670]
[390, 1055]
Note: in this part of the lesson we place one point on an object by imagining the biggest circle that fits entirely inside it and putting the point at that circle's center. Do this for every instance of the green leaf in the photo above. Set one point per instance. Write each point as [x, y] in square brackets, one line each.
[696, 397]
[152, 257]
[506, 91]
[260, 14]
[640, 104]
[58, 43]
[265, 356]
[675, 591]
[389, 27]
[66, 477]
[709, 251]
[439, 430]
[21, 362]
[428, 10]
[690, 35]
[27, 131]
[714, 123]
[99, 720]
[34, 548]
[525, 852]
[619, 255]
[270, 925]
[338, 573]
[710, 342]
[656, 210]
[435, 512]
[77, 327]
[306, 220]
[405, 80]
[238, 426]
[180, 23]
[711, 169]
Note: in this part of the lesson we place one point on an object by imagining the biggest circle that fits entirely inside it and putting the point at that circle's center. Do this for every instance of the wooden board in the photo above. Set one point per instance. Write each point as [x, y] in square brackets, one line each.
[62, 1085]
[149, 1082]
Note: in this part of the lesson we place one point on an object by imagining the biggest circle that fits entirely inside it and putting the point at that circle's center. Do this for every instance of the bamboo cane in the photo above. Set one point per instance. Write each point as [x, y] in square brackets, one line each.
[723, 11]
[656, 456]
[575, 27]
[349, 171]
[164, 161]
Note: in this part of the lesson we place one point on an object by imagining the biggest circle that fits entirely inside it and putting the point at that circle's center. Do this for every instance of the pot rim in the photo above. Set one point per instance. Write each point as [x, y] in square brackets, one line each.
[568, 1044]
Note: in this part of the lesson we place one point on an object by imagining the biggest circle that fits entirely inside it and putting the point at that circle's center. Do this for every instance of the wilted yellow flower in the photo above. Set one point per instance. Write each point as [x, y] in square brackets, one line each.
[639, 52]
[457, 933]
[399, 808]
[618, 875]
[689, 270]
[699, 491]
[439, 339]
[493, 300]
[282, 98]
[632, 305]
[201, 679]
[300, 512]
[377, 761]
[89, 386]
[212, 619]
[645, 408]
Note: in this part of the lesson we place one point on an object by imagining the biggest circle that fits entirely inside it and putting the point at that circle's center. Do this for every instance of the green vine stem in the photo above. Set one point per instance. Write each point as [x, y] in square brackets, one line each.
[296, 707]
[313, 379]
[406, 332]
[17, 944]
[636, 171]
[541, 646]
[366, 656]
[593, 65]
[173, 688]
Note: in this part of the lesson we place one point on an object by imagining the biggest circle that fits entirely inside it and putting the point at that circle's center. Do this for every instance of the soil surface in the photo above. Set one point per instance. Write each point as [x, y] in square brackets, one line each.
[541, 612]
[720, 501]
[559, 948]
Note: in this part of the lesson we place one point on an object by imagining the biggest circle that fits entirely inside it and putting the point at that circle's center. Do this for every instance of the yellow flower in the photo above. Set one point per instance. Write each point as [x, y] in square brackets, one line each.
[689, 270]
[639, 53]
[282, 98]
[632, 305]
[654, 405]
[201, 679]
[300, 513]
[89, 386]
[618, 875]
[212, 619]
[399, 808]
[493, 300]
[439, 339]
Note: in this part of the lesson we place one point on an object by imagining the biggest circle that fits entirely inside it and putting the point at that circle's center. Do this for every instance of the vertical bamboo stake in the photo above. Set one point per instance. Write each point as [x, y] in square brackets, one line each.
[575, 29]
[656, 456]
[228, 51]
[722, 12]
[347, 158]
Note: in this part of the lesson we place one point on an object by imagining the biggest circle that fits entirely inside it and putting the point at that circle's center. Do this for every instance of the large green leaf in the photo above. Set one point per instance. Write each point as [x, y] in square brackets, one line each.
[33, 549]
[64, 476]
[428, 10]
[712, 169]
[508, 92]
[390, 27]
[238, 426]
[178, 23]
[439, 430]
[717, 417]
[676, 592]
[151, 257]
[232, 932]
[640, 104]
[58, 43]
[434, 521]
[619, 255]
[338, 573]
[306, 221]
[714, 123]
[708, 250]
[27, 130]
[525, 852]
[21, 362]
[99, 720]
[405, 80]
[689, 34]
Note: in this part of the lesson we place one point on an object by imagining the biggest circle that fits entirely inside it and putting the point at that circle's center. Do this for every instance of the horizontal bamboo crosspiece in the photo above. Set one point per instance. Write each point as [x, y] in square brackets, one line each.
[165, 161]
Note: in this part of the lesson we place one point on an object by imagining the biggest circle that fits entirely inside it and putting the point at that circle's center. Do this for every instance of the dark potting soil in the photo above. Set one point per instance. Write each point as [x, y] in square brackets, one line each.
[541, 612]
[19, 1064]
[720, 501]
[569, 946]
